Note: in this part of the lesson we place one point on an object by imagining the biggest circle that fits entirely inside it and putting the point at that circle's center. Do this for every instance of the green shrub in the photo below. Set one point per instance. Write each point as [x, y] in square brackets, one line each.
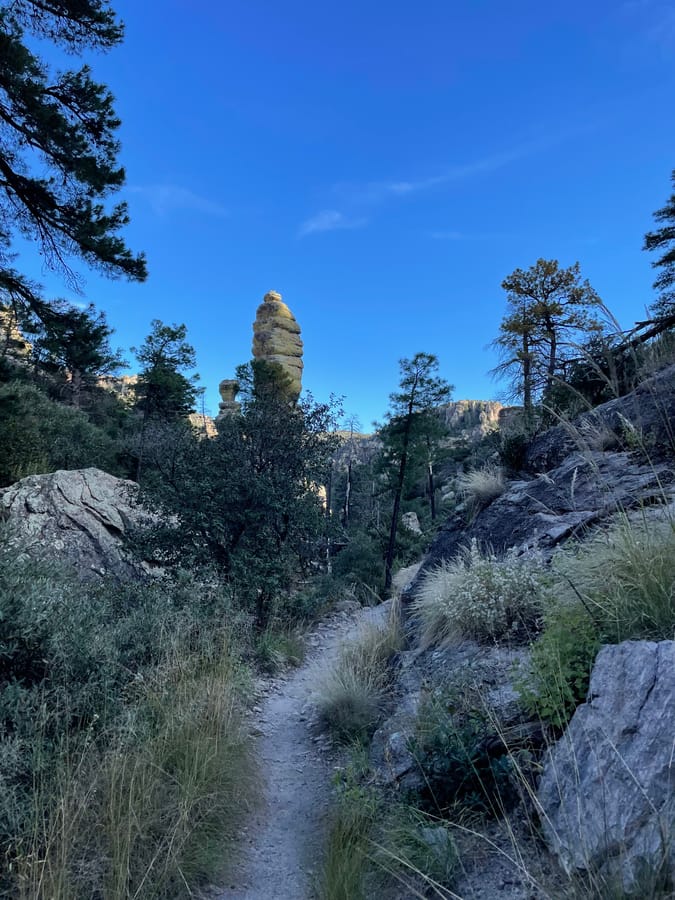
[361, 562]
[451, 749]
[415, 848]
[313, 598]
[277, 647]
[556, 679]
[479, 595]
[38, 435]
[118, 721]
[513, 450]
[616, 586]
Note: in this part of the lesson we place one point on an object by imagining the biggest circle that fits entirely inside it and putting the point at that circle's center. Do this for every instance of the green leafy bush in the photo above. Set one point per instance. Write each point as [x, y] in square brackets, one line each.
[118, 721]
[361, 563]
[479, 595]
[451, 749]
[38, 435]
[513, 449]
[556, 679]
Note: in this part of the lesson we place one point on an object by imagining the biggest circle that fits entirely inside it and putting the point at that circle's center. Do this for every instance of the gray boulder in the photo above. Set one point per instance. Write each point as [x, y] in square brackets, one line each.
[606, 792]
[78, 517]
[585, 490]
[650, 410]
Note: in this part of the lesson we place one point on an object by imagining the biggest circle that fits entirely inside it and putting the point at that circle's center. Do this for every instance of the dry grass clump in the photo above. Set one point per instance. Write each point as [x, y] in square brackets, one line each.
[481, 487]
[625, 577]
[149, 811]
[352, 694]
[479, 595]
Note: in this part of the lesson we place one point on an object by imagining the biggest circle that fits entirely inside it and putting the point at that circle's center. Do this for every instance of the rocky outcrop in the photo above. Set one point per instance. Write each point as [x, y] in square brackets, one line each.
[546, 510]
[487, 672]
[13, 344]
[76, 517]
[643, 419]
[276, 339]
[470, 420]
[122, 386]
[607, 793]
[619, 457]
[228, 390]
[204, 425]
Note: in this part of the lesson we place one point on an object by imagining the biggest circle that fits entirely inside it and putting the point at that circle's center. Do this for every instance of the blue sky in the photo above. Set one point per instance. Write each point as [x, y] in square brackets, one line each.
[383, 166]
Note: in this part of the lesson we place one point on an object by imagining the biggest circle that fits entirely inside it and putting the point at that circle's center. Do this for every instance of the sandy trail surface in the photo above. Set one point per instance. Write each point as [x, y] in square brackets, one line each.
[284, 838]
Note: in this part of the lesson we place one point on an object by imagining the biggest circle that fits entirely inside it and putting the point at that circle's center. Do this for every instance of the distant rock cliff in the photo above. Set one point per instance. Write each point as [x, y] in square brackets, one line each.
[470, 419]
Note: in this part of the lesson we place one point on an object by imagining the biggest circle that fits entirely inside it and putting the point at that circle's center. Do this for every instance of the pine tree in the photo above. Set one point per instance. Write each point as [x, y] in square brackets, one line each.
[549, 309]
[164, 394]
[75, 343]
[663, 241]
[58, 148]
[420, 390]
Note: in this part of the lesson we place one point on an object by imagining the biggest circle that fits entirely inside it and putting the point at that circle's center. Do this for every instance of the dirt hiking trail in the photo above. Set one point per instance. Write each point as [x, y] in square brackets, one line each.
[283, 840]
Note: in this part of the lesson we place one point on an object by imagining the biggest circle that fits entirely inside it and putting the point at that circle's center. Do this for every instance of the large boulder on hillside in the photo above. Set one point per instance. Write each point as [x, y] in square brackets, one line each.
[643, 417]
[586, 489]
[76, 517]
[607, 790]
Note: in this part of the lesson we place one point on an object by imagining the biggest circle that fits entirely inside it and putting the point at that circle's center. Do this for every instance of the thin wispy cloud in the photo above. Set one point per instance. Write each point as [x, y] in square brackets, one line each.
[372, 194]
[165, 199]
[654, 18]
[329, 220]
[379, 191]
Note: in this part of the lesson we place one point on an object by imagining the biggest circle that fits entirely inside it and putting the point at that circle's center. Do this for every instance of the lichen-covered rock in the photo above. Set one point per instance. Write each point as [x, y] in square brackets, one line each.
[607, 791]
[76, 517]
[585, 490]
[276, 339]
[645, 416]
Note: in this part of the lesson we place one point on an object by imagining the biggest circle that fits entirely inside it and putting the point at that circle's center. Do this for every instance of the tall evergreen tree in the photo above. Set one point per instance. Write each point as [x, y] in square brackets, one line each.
[58, 148]
[75, 343]
[549, 310]
[420, 390]
[164, 394]
[260, 475]
[662, 241]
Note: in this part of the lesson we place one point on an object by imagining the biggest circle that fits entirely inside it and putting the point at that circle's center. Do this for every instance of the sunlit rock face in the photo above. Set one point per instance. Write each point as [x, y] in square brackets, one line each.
[276, 339]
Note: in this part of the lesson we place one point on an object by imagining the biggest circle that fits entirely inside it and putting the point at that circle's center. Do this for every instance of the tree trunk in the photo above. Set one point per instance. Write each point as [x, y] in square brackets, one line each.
[527, 379]
[76, 388]
[389, 562]
[348, 491]
[432, 492]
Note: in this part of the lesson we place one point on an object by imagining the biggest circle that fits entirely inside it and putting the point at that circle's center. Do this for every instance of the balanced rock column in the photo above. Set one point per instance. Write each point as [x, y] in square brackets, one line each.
[276, 339]
[228, 389]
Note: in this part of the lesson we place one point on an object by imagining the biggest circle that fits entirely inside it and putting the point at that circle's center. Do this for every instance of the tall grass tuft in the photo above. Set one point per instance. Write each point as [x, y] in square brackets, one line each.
[481, 487]
[124, 765]
[352, 694]
[626, 578]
